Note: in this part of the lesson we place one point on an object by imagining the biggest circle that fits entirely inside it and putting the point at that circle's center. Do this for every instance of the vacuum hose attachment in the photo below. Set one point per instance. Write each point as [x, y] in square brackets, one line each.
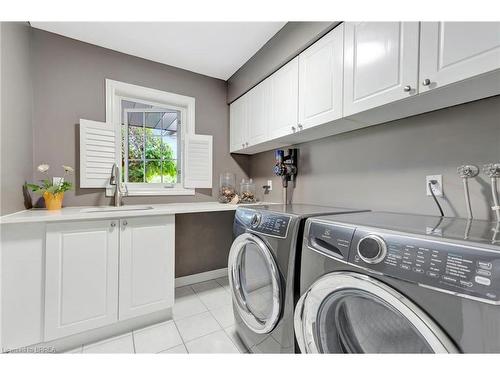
[493, 172]
[466, 172]
[286, 167]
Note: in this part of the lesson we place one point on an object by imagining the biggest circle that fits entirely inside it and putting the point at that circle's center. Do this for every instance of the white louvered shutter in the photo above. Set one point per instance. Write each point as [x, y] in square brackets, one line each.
[198, 161]
[97, 153]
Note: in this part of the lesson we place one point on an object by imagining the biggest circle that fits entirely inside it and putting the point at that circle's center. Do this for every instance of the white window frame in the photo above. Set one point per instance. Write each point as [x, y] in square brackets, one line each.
[116, 92]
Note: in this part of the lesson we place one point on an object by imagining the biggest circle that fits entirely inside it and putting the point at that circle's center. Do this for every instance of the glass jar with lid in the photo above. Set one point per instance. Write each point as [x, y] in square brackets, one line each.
[247, 191]
[227, 187]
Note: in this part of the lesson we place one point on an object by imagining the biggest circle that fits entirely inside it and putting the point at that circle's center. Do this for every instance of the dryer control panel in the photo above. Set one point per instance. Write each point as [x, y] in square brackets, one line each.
[270, 224]
[466, 270]
[263, 222]
[446, 266]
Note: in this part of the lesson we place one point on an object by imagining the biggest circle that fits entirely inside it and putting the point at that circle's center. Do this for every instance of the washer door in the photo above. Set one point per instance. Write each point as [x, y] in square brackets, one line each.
[346, 312]
[255, 283]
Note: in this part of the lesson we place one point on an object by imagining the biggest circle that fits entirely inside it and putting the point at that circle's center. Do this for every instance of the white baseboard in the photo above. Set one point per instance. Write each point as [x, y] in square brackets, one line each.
[200, 277]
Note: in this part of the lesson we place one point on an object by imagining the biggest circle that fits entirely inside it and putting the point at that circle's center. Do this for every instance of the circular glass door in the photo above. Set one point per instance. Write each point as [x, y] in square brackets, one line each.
[346, 312]
[255, 283]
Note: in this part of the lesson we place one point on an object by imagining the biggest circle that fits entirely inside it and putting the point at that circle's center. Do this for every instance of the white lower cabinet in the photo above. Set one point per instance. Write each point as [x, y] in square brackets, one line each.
[99, 272]
[146, 265]
[81, 287]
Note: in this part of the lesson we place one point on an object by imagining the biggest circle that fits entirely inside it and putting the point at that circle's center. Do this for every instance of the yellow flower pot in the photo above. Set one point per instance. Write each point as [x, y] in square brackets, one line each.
[53, 201]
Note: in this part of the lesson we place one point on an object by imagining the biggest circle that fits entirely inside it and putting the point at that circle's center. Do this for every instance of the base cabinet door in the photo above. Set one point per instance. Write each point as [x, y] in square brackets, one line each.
[320, 80]
[284, 100]
[380, 64]
[147, 260]
[454, 51]
[81, 282]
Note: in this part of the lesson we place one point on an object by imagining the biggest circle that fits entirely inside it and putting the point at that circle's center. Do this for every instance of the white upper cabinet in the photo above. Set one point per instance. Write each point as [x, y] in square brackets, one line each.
[81, 286]
[320, 80]
[284, 100]
[259, 113]
[366, 73]
[380, 63]
[238, 123]
[454, 51]
[146, 265]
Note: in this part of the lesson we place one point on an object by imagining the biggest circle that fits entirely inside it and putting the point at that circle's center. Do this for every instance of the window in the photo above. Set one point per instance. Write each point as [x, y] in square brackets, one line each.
[151, 144]
[154, 140]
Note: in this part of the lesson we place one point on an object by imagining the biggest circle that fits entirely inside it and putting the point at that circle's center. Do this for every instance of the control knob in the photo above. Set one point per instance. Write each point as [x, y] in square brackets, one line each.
[255, 221]
[372, 249]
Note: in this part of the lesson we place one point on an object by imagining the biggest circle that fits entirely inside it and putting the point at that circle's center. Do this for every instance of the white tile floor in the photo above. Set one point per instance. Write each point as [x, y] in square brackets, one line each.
[202, 323]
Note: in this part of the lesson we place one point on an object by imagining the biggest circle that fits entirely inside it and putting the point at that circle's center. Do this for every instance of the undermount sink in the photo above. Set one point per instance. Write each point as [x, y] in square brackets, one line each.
[115, 209]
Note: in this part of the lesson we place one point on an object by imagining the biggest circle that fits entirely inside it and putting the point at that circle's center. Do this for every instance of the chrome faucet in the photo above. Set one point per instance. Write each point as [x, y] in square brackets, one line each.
[115, 180]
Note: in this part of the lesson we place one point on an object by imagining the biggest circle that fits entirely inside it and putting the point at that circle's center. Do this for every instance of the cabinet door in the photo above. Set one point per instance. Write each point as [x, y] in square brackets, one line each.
[259, 113]
[146, 265]
[380, 64]
[454, 51]
[284, 100]
[320, 80]
[238, 124]
[81, 285]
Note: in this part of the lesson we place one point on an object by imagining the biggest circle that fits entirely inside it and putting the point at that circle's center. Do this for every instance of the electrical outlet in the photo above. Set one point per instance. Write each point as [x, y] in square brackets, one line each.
[270, 184]
[436, 188]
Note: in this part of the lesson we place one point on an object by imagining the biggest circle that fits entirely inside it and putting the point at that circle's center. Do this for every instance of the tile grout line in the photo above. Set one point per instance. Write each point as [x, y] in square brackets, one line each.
[184, 342]
[182, 338]
[133, 341]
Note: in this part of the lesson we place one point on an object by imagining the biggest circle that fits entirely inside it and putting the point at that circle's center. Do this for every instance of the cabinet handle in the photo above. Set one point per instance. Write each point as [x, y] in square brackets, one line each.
[125, 223]
[246, 144]
[300, 127]
[407, 88]
[113, 224]
[293, 129]
[243, 145]
[426, 82]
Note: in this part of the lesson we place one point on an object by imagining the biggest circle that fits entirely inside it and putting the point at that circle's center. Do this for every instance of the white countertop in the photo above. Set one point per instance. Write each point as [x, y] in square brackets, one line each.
[82, 213]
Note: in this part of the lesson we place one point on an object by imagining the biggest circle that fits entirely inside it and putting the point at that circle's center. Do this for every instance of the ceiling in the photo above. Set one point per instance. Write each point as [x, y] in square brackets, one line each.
[215, 49]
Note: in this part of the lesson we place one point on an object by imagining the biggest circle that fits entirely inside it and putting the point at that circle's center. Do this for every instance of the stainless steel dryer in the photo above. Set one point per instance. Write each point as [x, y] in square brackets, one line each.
[261, 270]
[393, 283]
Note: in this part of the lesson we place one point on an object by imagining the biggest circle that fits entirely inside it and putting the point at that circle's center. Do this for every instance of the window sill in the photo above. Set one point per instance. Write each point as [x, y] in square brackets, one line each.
[152, 192]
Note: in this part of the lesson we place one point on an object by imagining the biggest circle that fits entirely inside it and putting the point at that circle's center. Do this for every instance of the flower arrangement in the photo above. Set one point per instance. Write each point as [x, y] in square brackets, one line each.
[53, 189]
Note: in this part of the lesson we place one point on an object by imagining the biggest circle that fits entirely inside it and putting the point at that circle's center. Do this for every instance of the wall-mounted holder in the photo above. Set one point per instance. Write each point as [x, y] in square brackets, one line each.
[286, 168]
[466, 172]
[492, 170]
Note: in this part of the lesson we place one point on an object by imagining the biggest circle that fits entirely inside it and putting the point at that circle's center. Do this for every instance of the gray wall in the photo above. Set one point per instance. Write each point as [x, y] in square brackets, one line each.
[202, 241]
[16, 109]
[292, 39]
[384, 167]
[69, 84]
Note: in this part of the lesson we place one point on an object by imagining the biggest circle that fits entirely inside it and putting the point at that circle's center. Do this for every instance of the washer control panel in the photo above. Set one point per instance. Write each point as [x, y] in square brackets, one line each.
[446, 266]
[270, 224]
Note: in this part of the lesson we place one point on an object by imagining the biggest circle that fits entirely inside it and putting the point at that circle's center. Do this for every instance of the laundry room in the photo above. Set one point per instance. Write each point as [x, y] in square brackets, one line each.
[207, 184]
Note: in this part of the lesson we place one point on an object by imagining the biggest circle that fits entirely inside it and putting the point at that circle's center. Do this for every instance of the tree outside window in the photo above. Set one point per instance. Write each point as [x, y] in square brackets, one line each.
[151, 138]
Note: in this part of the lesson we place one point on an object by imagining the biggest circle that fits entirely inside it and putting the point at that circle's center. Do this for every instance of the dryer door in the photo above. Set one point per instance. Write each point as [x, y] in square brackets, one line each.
[255, 283]
[347, 312]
